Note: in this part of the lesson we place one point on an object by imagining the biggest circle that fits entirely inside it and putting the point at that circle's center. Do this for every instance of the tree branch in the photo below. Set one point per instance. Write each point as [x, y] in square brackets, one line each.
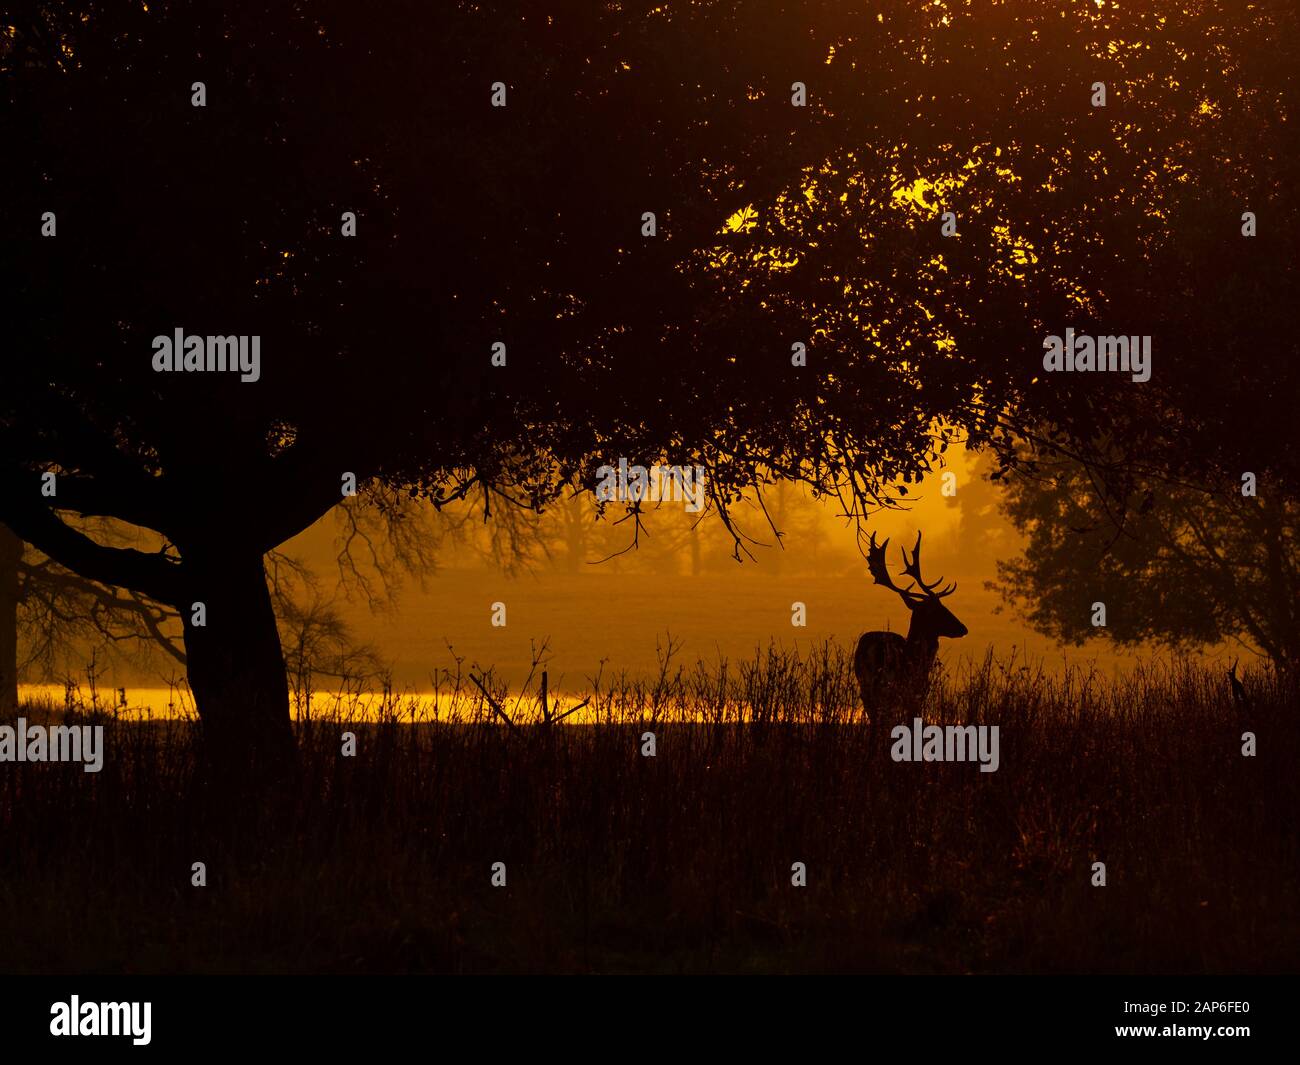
[152, 574]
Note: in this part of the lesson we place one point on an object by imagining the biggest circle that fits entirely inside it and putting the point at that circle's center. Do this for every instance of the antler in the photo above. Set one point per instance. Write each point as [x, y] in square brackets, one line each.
[913, 570]
[880, 572]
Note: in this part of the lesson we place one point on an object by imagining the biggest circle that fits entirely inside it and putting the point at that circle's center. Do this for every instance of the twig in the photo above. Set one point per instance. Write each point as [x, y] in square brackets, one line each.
[493, 703]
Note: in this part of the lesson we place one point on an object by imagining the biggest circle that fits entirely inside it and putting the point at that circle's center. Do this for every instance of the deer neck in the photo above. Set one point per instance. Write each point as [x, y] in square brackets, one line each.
[922, 645]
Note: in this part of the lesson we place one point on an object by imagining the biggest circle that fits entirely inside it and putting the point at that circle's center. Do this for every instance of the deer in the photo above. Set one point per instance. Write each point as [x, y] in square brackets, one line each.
[885, 662]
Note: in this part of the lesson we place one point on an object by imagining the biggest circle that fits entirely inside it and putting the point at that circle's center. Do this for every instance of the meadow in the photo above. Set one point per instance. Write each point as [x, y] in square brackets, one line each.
[682, 862]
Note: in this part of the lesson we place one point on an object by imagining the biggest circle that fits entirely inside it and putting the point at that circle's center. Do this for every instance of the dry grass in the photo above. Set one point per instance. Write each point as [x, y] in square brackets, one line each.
[681, 862]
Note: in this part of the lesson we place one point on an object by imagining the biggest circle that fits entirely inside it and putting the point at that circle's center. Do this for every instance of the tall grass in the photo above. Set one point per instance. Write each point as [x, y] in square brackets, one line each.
[682, 861]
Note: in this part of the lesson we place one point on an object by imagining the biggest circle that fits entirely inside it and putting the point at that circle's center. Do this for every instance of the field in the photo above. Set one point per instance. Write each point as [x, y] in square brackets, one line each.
[619, 618]
[618, 862]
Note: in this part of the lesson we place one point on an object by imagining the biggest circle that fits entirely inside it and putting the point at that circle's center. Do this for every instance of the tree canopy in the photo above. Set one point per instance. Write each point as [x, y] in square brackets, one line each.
[1174, 564]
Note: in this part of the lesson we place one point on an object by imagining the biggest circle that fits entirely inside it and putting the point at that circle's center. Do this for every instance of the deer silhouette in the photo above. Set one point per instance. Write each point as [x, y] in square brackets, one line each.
[886, 663]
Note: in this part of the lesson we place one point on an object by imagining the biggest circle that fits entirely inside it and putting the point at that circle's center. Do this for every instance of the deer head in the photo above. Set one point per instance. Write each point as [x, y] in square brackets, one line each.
[930, 618]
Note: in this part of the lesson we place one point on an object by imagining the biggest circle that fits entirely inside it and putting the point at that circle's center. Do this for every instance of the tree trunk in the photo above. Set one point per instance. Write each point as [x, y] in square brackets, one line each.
[236, 667]
[11, 553]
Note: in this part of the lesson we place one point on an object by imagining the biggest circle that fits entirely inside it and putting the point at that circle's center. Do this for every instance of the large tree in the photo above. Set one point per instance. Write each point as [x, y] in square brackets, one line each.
[1174, 563]
[796, 160]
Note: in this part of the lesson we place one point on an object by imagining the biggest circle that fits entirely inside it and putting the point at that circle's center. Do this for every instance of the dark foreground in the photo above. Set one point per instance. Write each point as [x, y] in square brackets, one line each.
[615, 862]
